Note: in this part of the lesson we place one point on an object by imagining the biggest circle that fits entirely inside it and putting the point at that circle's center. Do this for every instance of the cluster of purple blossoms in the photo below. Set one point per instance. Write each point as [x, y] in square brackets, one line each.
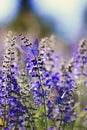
[11, 108]
[43, 79]
[80, 64]
[39, 87]
[61, 109]
[39, 72]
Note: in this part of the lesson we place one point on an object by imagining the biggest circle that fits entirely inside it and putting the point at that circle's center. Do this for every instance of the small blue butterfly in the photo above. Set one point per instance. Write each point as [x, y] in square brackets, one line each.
[56, 98]
[33, 51]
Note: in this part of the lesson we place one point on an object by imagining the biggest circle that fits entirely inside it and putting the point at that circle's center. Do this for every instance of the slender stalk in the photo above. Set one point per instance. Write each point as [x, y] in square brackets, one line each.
[43, 97]
[63, 126]
[60, 122]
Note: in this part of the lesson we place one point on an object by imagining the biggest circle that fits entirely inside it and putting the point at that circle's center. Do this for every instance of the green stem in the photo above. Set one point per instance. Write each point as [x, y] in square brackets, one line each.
[43, 97]
[60, 122]
[64, 126]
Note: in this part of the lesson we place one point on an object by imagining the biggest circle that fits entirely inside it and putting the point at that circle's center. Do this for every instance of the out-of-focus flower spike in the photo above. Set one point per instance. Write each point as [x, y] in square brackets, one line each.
[24, 39]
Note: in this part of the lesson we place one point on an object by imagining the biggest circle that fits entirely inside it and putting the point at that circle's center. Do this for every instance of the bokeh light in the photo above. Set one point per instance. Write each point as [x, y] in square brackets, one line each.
[8, 10]
[66, 15]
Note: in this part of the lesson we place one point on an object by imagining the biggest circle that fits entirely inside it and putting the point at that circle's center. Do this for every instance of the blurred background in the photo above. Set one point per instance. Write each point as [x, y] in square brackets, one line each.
[66, 20]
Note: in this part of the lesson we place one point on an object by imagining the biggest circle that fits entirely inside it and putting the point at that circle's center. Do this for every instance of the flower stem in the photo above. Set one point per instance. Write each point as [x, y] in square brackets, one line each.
[43, 97]
[60, 122]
